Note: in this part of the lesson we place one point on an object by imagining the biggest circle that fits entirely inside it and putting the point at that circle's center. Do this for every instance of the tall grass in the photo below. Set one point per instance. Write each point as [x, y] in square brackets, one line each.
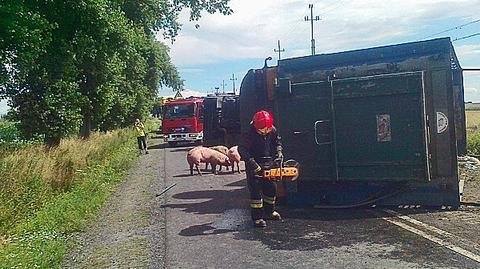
[473, 143]
[47, 194]
[473, 132]
[31, 176]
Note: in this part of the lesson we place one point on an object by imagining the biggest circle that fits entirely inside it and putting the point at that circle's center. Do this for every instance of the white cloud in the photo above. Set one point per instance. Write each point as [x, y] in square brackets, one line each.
[187, 93]
[254, 28]
[468, 51]
[471, 90]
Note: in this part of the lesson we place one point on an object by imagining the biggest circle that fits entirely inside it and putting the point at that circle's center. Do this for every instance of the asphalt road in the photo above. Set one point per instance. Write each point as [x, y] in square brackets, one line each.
[208, 226]
[204, 222]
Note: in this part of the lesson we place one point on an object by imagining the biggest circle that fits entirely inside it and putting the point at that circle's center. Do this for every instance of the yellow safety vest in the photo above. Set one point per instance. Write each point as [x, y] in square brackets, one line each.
[139, 130]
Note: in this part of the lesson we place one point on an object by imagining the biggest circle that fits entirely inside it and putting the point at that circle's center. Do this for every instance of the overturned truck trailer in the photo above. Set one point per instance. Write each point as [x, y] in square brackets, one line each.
[381, 125]
[222, 120]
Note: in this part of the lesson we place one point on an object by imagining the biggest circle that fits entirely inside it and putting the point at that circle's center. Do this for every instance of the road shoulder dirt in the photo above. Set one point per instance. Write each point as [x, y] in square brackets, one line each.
[129, 231]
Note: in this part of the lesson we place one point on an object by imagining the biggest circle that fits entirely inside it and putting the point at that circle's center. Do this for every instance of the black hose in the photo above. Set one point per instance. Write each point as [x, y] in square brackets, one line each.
[166, 189]
[361, 204]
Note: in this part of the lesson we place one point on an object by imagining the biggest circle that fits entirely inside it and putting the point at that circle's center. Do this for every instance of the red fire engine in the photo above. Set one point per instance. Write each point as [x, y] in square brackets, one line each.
[183, 121]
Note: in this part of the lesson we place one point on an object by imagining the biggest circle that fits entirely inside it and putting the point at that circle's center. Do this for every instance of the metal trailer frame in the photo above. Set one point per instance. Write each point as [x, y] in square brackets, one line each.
[426, 72]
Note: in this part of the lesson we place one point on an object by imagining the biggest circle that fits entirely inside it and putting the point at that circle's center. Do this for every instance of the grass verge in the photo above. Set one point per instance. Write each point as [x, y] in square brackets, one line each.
[53, 207]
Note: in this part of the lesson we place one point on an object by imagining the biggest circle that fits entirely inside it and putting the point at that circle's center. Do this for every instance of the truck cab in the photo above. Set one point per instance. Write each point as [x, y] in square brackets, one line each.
[183, 121]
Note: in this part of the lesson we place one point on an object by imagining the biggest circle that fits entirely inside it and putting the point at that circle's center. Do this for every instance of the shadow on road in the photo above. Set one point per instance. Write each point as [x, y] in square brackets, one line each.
[158, 146]
[302, 229]
[181, 149]
[203, 229]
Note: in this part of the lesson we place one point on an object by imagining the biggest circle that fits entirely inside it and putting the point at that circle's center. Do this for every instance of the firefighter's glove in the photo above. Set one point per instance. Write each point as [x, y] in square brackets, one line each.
[279, 156]
[257, 170]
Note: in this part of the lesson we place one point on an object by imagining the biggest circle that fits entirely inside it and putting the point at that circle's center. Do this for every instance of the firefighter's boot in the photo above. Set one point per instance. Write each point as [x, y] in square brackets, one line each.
[260, 223]
[275, 216]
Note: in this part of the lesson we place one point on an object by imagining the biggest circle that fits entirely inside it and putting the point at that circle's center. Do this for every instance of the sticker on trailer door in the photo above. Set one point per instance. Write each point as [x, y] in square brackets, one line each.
[442, 122]
[384, 133]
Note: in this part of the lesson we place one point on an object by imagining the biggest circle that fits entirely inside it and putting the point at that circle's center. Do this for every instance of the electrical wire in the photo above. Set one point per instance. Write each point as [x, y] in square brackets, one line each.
[453, 28]
[465, 37]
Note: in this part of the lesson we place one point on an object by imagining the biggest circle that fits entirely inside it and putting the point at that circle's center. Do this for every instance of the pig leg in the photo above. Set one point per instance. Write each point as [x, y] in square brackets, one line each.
[214, 168]
[191, 169]
[198, 170]
[233, 167]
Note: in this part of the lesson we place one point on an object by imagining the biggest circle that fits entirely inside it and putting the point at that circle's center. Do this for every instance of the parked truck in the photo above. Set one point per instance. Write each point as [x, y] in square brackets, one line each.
[183, 121]
[377, 126]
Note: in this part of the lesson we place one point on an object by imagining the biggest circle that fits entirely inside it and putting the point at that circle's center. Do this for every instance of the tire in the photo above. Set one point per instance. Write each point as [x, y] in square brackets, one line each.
[172, 144]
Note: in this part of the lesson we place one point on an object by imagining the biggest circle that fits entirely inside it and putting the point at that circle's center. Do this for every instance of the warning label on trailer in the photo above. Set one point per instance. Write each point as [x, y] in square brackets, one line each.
[442, 122]
[384, 133]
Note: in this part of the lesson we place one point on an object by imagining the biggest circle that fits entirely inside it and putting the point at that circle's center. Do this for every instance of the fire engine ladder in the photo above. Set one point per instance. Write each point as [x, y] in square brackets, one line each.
[325, 133]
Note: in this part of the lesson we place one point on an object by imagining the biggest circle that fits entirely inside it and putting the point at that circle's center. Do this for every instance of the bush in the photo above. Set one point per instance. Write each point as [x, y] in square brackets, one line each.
[473, 143]
[11, 138]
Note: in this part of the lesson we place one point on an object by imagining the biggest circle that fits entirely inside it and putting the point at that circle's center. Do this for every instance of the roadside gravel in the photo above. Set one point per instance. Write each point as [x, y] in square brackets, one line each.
[129, 232]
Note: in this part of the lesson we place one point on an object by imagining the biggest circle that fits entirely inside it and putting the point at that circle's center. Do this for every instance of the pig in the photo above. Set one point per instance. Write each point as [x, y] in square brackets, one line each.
[221, 149]
[199, 155]
[234, 158]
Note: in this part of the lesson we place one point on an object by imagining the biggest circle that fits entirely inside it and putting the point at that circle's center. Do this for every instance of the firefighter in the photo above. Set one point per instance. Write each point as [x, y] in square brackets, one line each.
[260, 143]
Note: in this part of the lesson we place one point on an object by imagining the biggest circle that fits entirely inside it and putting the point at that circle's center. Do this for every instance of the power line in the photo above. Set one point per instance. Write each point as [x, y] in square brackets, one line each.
[465, 37]
[280, 50]
[453, 28]
[312, 19]
[233, 81]
[223, 86]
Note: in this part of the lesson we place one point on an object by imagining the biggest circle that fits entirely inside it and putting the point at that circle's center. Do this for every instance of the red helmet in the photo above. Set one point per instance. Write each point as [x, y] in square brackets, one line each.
[263, 122]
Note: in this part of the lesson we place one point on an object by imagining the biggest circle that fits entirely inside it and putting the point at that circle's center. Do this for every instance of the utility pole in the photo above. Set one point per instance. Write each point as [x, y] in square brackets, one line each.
[279, 51]
[312, 19]
[223, 86]
[233, 81]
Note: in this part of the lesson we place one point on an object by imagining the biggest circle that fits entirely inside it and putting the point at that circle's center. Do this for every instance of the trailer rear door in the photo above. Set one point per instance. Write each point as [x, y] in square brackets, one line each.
[381, 128]
[305, 122]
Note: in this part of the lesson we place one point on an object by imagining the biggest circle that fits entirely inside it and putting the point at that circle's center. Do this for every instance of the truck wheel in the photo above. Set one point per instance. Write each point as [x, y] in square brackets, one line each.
[198, 143]
[172, 144]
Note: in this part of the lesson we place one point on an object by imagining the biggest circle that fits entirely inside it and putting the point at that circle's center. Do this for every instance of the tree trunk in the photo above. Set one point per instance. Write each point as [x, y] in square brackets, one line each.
[87, 124]
[51, 141]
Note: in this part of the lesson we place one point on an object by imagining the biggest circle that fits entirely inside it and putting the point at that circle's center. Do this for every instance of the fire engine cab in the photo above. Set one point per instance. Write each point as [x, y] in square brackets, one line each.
[183, 121]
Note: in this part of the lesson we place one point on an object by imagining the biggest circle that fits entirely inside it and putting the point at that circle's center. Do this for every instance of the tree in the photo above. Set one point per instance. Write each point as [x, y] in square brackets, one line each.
[83, 65]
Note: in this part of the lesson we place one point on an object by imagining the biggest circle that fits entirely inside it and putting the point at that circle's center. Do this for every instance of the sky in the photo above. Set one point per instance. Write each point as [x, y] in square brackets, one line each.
[226, 45]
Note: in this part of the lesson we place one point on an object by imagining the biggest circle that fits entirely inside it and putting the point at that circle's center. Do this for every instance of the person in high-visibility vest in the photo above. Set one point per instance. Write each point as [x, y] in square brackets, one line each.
[261, 142]
[141, 137]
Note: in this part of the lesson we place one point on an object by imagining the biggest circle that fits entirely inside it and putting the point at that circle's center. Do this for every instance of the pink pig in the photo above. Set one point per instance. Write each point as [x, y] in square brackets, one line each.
[199, 155]
[234, 158]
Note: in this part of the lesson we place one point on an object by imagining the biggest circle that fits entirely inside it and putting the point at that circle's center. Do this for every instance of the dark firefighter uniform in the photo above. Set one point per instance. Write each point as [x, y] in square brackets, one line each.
[254, 146]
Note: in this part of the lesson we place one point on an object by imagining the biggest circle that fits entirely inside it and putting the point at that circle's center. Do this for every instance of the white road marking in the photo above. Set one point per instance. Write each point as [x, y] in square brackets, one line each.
[432, 238]
[419, 223]
[433, 229]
